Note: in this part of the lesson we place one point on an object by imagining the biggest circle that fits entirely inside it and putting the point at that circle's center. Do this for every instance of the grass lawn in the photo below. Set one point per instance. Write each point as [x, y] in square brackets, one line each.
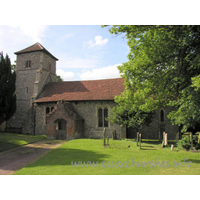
[11, 140]
[117, 158]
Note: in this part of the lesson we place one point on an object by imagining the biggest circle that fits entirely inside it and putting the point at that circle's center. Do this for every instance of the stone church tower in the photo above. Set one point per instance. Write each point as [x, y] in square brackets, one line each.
[35, 67]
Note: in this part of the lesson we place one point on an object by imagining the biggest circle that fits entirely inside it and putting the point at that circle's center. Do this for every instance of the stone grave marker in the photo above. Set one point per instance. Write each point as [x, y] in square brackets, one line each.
[162, 144]
[137, 138]
[166, 139]
[104, 137]
[108, 140]
[191, 140]
[140, 139]
[114, 134]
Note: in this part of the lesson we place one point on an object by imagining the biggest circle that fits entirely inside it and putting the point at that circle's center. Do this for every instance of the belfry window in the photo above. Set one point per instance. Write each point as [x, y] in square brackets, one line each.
[28, 63]
[47, 110]
[102, 117]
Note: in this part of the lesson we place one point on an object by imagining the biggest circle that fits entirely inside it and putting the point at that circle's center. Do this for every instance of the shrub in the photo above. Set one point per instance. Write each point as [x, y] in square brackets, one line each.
[184, 143]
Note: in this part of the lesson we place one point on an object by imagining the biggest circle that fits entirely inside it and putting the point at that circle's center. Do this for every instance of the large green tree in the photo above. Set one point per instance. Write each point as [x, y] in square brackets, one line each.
[7, 89]
[163, 70]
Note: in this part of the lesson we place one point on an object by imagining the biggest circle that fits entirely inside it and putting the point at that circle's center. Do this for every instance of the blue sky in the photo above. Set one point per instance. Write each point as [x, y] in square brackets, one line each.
[85, 52]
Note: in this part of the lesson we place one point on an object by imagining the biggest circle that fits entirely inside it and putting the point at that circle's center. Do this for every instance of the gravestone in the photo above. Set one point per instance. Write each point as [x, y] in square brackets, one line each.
[172, 147]
[104, 137]
[140, 139]
[137, 138]
[107, 140]
[114, 134]
[166, 139]
[162, 144]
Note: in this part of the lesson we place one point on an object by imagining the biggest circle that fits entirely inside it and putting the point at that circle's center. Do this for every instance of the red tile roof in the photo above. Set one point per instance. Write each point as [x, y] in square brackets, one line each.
[82, 90]
[36, 47]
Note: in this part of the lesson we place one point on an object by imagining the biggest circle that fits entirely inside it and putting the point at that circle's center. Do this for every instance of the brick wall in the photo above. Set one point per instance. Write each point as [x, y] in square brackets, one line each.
[48, 124]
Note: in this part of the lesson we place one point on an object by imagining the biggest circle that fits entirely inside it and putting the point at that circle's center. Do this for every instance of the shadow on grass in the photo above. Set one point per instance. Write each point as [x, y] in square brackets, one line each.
[157, 142]
[7, 146]
[148, 146]
[192, 160]
[63, 156]
[147, 149]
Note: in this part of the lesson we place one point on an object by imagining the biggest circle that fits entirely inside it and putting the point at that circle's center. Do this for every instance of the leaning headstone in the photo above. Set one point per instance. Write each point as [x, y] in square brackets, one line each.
[166, 139]
[137, 138]
[114, 134]
[140, 139]
[104, 137]
[108, 141]
[162, 144]
[172, 147]
[192, 149]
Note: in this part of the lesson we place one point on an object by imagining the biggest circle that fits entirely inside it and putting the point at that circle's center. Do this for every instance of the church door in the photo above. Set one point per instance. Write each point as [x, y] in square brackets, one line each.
[61, 131]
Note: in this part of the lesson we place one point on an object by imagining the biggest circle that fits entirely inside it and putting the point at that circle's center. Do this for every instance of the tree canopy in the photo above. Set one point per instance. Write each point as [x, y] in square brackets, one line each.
[163, 70]
[7, 89]
[59, 79]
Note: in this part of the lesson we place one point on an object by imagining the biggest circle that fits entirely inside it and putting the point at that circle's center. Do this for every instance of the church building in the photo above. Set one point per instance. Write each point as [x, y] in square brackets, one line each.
[70, 109]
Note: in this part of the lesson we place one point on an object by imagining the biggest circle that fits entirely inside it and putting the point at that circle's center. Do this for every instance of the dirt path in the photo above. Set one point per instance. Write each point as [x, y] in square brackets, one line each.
[15, 159]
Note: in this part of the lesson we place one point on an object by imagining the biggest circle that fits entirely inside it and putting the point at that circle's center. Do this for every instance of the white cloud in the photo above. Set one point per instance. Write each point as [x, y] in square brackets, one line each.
[101, 73]
[66, 76]
[16, 37]
[66, 61]
[99, 41]
[34, 32]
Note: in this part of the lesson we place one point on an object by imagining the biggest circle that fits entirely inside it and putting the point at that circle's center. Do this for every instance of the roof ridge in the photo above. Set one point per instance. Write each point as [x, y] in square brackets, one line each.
[87, 80]
[40, 45]
[35, 47]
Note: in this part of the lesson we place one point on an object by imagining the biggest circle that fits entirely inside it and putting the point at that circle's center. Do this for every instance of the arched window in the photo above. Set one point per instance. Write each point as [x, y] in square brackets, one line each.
[100, 117]
[47, 110]
[105, 117]
[28, 63]
[162, 118]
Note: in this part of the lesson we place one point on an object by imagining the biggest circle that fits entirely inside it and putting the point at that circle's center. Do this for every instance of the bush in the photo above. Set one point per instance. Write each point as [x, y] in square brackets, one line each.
[184, 143]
